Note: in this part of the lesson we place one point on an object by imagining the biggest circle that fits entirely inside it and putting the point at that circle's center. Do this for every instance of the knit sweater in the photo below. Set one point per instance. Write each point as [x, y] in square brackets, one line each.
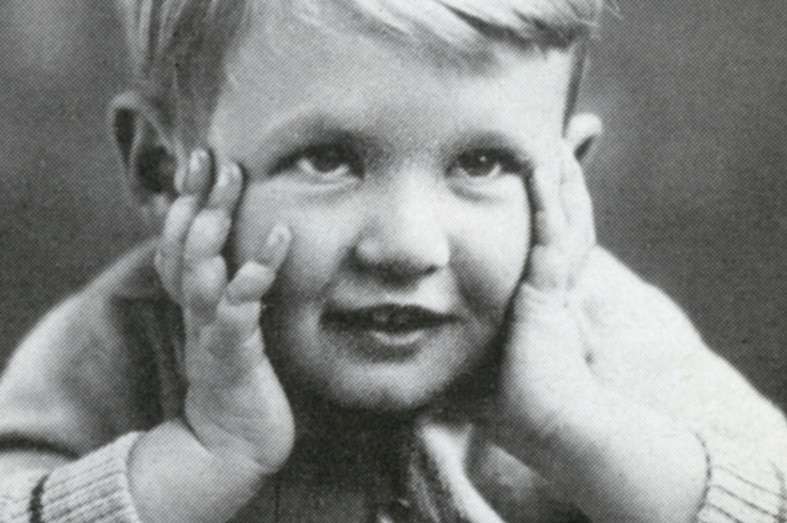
[103, 367]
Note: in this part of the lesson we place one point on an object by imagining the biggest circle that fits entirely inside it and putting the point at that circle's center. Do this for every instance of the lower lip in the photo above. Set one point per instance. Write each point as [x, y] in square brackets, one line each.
[401, 339]
[383, 345]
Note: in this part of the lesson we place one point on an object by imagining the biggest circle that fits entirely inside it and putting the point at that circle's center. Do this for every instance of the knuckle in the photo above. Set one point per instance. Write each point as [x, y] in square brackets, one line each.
[181, 209]
[192, 262]
[208, 233]
[179, 218]
[211, 220]
[237, 323]
[205, 281]
[250, 283]
[549, 268]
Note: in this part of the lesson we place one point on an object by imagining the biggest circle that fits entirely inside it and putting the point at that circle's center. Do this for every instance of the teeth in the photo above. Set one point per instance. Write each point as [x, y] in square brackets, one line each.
[393, 319]
[382, 316]
[397, 319]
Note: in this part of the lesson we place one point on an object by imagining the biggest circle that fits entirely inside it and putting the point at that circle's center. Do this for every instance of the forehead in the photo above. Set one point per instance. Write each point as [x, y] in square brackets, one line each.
[364, 82]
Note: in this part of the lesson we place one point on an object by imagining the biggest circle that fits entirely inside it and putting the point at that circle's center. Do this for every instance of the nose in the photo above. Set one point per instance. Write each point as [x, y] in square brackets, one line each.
[403, 237]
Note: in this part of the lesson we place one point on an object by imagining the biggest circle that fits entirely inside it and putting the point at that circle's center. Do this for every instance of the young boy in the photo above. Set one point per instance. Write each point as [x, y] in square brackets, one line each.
[377, 298]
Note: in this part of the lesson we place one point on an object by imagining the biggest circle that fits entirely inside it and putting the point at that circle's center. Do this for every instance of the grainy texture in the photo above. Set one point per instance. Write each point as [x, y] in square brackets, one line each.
[688, 182]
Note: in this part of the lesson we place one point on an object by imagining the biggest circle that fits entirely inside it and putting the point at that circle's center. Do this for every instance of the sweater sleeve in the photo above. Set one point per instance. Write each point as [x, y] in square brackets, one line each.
[742, 485]
[93, 488]
[642, 344]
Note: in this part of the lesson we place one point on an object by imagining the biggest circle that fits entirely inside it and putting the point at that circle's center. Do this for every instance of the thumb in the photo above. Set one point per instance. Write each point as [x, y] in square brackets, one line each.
[542, 331]
[543, 374]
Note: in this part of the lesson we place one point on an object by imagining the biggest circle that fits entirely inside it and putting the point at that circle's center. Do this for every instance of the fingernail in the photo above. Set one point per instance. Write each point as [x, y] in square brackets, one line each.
[226, 189]
[274, 251]
[195, 179]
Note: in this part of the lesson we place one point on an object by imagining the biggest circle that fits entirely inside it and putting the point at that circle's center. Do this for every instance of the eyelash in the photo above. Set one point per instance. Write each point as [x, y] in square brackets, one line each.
[496, 161]
[343, 155]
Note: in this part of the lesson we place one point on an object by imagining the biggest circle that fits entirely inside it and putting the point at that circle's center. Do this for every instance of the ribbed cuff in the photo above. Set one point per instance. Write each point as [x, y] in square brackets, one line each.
[93, 488]
[741, 487]
[15, 496]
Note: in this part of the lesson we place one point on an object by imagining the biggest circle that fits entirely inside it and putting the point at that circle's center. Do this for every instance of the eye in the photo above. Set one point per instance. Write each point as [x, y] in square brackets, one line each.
[486, 164]
[328, 161]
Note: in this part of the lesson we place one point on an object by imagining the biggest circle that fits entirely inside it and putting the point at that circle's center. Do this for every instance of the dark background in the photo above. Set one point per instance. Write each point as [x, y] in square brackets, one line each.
[689, 180]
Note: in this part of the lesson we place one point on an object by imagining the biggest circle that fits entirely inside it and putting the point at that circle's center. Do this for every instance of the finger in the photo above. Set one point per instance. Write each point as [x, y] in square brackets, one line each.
[549, 221]
[197, 178]
[578, 209]
[577, 204]
[547, 263]
[203, 286]
[232, 344]
[204, 268]
[226, 189]
[211, 226]
[254, 279]
[192, 183]
[230, 347]
[239, 309]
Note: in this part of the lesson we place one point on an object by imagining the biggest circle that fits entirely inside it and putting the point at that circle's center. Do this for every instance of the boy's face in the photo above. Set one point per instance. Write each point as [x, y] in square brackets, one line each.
[402, 185]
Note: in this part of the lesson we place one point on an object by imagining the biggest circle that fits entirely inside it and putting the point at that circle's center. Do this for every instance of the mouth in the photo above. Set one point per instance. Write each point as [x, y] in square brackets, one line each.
[392, 326]
[394, 319]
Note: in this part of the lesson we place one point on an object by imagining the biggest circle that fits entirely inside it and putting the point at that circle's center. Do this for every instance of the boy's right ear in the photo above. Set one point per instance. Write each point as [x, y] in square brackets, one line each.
[149, 153]
[582, 132]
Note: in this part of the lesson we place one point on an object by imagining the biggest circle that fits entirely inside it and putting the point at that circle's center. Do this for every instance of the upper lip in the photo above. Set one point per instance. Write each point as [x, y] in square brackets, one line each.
[388, 316]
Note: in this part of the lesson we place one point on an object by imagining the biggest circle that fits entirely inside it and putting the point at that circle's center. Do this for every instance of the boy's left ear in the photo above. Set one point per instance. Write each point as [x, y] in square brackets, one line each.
[581, 133]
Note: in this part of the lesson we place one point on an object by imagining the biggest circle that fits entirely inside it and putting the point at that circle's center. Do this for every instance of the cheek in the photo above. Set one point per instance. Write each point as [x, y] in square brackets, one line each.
[320, 236]
[256, 216]
[491, 253]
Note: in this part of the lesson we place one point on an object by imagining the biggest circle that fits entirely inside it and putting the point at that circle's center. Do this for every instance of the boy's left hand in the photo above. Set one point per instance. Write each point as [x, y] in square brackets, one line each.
[613, 458]
[545, 381]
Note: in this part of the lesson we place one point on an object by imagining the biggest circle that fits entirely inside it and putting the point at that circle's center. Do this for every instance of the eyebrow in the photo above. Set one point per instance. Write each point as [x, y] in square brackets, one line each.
[294, 132]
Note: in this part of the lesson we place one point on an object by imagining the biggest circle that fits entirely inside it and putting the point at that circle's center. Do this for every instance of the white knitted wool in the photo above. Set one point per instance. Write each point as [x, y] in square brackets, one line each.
[741, 488]
[15, 492]
[94, 488]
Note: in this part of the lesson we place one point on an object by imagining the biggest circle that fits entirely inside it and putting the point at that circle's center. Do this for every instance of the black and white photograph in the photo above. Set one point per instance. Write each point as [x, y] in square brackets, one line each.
[393, 261]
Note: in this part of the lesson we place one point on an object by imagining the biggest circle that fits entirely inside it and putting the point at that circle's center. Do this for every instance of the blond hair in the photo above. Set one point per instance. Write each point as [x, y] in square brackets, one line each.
[177, 47]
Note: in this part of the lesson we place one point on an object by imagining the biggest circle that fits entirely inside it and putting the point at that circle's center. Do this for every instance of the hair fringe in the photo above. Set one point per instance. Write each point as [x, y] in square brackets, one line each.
[155, 27]
[177, 47]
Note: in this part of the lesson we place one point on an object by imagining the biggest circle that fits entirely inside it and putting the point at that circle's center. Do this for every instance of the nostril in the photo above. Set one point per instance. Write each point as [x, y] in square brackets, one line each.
[399, 271]
[395, 265]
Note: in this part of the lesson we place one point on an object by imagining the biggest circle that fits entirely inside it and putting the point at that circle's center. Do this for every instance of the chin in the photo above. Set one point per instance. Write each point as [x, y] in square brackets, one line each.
[340, 374]
[395, 399]
[407, 391]
[374, 389]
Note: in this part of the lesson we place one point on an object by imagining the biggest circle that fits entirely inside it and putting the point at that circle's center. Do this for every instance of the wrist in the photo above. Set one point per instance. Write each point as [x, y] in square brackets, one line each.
[554, 419]
[625, 462]
[567, 433]
[173, 478]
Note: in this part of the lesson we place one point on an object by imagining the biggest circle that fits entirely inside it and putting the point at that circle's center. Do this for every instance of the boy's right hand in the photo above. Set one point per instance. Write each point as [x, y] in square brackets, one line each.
[235, 406]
